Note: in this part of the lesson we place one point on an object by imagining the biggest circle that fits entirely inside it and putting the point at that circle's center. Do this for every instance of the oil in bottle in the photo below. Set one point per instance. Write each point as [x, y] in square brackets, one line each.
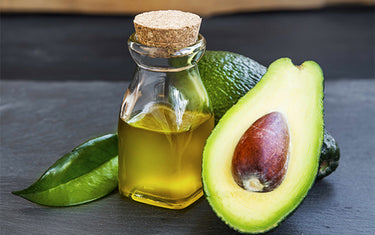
[160, 161]
[165, 116]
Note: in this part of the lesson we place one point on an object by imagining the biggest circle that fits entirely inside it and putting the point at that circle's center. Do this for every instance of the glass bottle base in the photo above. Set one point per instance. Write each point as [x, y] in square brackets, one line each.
[156, 200]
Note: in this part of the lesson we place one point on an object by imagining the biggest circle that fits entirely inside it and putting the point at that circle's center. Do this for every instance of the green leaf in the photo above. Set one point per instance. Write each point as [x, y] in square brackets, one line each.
[87, 173]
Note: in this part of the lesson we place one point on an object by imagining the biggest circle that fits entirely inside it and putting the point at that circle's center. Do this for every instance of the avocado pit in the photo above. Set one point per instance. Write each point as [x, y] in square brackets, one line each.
[260, 158]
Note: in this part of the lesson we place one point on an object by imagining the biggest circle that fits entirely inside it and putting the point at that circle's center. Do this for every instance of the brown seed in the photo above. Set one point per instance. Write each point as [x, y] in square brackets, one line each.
[260, 159]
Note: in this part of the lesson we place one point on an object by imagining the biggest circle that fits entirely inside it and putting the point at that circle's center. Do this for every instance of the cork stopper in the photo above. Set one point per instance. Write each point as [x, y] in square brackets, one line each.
[167, 29]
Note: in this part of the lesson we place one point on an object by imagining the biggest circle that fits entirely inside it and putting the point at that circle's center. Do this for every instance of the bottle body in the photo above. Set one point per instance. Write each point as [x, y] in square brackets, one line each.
[165, 119]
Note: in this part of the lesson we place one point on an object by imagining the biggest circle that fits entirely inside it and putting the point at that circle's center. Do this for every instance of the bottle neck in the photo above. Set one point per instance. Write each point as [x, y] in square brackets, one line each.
[159, 59]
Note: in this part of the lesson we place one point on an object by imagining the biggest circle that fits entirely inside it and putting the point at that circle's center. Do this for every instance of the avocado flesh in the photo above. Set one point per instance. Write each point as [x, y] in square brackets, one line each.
[228, 76]
[297, 93]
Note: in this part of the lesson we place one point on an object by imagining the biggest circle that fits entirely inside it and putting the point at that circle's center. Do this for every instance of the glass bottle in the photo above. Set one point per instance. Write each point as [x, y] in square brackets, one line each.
[165, 119]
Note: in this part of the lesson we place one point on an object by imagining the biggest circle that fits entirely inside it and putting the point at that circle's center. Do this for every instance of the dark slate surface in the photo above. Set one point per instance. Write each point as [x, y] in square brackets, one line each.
[50, 47]
[40, 121]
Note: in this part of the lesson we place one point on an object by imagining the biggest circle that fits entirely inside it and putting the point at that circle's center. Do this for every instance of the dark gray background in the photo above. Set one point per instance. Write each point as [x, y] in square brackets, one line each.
[41, 120]
[49, 47]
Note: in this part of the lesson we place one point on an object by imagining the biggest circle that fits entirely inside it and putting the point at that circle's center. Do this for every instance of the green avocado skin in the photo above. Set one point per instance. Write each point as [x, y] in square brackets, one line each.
[329, 156]
[228, 76]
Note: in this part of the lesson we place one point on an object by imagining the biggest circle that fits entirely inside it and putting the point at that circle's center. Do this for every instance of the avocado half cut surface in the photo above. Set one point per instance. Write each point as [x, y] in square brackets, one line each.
[262, 157]
[228, 76]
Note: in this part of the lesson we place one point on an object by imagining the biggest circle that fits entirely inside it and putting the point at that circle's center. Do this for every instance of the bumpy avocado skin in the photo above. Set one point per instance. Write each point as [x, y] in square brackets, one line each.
[329, 156]
[228, 76]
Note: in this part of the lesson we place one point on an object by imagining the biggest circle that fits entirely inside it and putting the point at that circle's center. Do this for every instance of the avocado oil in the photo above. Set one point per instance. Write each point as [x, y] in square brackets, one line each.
[160, 156]
[165, 116]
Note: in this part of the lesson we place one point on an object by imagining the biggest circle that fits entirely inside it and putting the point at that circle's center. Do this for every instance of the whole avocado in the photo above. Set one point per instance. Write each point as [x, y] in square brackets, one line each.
[228, 76]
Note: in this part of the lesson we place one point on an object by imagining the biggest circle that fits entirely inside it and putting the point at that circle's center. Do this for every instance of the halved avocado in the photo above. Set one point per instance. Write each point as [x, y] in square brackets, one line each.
[280, 118]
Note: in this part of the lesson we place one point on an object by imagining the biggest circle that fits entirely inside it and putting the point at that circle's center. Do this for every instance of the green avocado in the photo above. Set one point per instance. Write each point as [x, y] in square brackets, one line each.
[228, 76]
[263, 156]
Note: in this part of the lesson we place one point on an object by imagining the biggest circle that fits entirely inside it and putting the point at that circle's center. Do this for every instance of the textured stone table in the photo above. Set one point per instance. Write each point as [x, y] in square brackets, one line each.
[40, 121]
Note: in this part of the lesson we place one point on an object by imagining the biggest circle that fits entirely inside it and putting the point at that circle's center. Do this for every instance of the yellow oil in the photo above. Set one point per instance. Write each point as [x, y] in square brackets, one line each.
[160, 156]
